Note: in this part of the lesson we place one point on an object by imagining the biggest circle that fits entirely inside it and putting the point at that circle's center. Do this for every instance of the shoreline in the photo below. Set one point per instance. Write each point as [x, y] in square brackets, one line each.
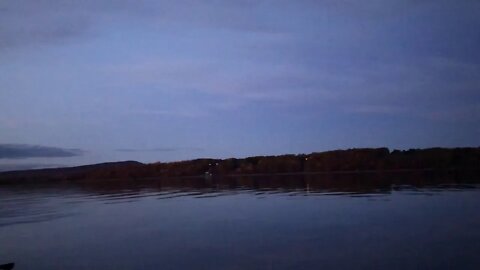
[338, 162]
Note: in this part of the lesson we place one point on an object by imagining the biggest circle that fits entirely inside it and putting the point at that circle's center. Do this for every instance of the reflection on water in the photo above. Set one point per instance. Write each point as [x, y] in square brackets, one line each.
[364, 221]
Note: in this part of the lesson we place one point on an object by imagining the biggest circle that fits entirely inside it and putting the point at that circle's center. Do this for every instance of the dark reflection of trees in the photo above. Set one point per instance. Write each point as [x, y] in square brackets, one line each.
[360, 183]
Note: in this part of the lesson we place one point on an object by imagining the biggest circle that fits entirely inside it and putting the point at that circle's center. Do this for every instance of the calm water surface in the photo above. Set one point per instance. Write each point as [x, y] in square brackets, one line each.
[295, 222]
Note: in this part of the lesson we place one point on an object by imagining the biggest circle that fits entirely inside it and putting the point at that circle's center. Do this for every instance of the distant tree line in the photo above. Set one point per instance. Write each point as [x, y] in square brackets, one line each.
[364, 159]
[351, 160]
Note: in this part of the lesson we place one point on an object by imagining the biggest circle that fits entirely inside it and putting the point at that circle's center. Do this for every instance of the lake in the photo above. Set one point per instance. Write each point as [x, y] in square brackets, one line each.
[283, 222]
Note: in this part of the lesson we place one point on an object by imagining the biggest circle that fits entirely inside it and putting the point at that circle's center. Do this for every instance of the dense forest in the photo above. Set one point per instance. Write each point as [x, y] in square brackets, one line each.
[351, 160]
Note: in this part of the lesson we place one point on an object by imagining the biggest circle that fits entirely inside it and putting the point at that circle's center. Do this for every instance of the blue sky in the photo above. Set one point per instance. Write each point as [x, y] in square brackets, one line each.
[169, 80]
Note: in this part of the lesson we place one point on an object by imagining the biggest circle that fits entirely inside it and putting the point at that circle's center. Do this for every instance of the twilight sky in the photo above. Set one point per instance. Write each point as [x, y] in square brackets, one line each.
[152, 80]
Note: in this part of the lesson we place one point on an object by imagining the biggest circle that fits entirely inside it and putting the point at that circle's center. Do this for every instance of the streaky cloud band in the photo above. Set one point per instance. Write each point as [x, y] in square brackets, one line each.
[21, 151]
[159, 149]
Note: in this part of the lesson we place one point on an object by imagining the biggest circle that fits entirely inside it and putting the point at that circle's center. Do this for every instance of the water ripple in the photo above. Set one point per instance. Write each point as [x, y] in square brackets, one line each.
[26, 204]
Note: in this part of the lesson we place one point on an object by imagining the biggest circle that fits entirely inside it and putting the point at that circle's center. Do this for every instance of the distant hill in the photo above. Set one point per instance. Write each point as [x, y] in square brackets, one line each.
[350, 160]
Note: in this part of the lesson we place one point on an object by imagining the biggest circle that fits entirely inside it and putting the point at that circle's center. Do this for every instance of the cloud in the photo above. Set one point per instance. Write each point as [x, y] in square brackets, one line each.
[185, 113]
[32, 22]
[160, 149]
[168, 67]
[377, 109]
[20, 151]
[27, 166]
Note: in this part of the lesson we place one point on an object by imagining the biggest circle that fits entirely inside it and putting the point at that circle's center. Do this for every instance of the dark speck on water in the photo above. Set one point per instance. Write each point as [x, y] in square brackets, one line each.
[282, 222]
